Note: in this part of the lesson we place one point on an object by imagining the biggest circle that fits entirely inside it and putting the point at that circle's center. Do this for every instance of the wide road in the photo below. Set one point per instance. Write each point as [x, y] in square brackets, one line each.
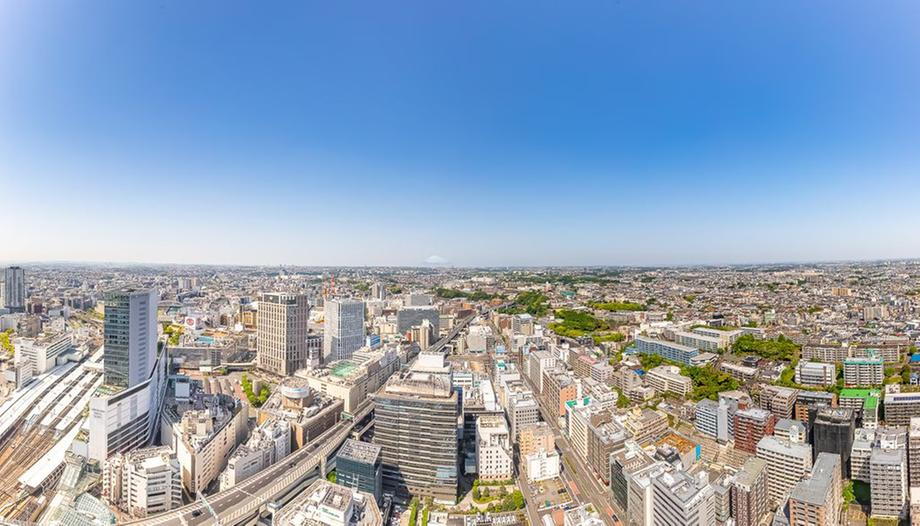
[250, 495]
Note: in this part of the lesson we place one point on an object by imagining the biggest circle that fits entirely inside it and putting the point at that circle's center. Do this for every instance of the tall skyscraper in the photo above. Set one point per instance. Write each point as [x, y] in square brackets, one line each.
[343, 329]
[125, 413]
[416, 428]
[281, 333]
[130, 336]
[14, 289]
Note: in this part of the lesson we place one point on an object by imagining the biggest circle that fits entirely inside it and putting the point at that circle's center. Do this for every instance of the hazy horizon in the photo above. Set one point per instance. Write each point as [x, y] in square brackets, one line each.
[474, 134]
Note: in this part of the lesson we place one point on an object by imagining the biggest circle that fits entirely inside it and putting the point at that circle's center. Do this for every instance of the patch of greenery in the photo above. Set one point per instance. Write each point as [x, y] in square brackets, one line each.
[615, 306]
[530, 301]
[413, 511]
[5, 342]
[256, 400]
[173, 333]
[708, 381]
[781, 348]
[476, 295]
[331, 477]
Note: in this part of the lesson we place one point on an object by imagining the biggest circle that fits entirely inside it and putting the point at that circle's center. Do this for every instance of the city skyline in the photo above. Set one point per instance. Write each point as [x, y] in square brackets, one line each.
[330, 135]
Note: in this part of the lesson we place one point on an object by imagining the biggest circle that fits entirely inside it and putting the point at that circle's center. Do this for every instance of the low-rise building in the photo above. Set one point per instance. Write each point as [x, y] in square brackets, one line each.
[326, 504]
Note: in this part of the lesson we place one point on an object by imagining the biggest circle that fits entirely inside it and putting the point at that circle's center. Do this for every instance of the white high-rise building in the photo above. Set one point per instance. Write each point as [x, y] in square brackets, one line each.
[281, 333]
[493, 448]
[14, 289]
[343, 328]
[682, 499]
[130, 336]
[143, 482]
[125, 412]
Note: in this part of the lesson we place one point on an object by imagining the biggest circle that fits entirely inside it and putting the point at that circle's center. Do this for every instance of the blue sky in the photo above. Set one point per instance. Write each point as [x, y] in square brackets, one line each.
[487, 133]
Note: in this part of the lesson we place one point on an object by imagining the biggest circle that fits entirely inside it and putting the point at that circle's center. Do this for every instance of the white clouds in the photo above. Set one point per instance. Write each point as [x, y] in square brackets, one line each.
[436, 260]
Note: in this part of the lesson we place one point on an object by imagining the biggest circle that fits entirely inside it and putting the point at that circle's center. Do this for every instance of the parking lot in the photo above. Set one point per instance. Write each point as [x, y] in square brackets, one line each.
[550, 493]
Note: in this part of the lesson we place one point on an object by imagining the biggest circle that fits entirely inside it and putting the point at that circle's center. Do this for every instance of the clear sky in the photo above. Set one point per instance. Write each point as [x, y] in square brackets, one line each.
[484, 133]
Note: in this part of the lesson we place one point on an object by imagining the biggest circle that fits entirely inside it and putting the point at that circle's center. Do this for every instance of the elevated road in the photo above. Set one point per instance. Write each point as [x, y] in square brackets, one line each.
[246, 499]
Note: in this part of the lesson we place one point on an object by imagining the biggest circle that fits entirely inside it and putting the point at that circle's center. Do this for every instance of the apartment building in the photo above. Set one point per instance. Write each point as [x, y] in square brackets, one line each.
[670, 350]
[815, 373]
[750, 426]
[864, 371]
[558, 388]
[749, 497]
[778, 400]
[816, 500]
[667, 379]
[142, 482]
[787, 463]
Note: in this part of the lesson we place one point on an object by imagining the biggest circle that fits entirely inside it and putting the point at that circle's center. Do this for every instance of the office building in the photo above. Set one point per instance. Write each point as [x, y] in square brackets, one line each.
[326, 504]
[681, 499]
[670, 350]
[735, 401]
[750, 426]
[749, 495]
[558, 388]
[816, 500]
[143, 482]
[43, 353]
[833, 431]
[125, 411]
[343, 328]
[787, 463]
[667, 379]
[623, 464]
[412, 316]
[358, 466]
[416, 428]
[281, 333]
[815, 373]
[863, 371]
[584, 515]
[640, 498]
[130, 336]
[646, 425]
[542, 465]
[494, 452]
[14, 289]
